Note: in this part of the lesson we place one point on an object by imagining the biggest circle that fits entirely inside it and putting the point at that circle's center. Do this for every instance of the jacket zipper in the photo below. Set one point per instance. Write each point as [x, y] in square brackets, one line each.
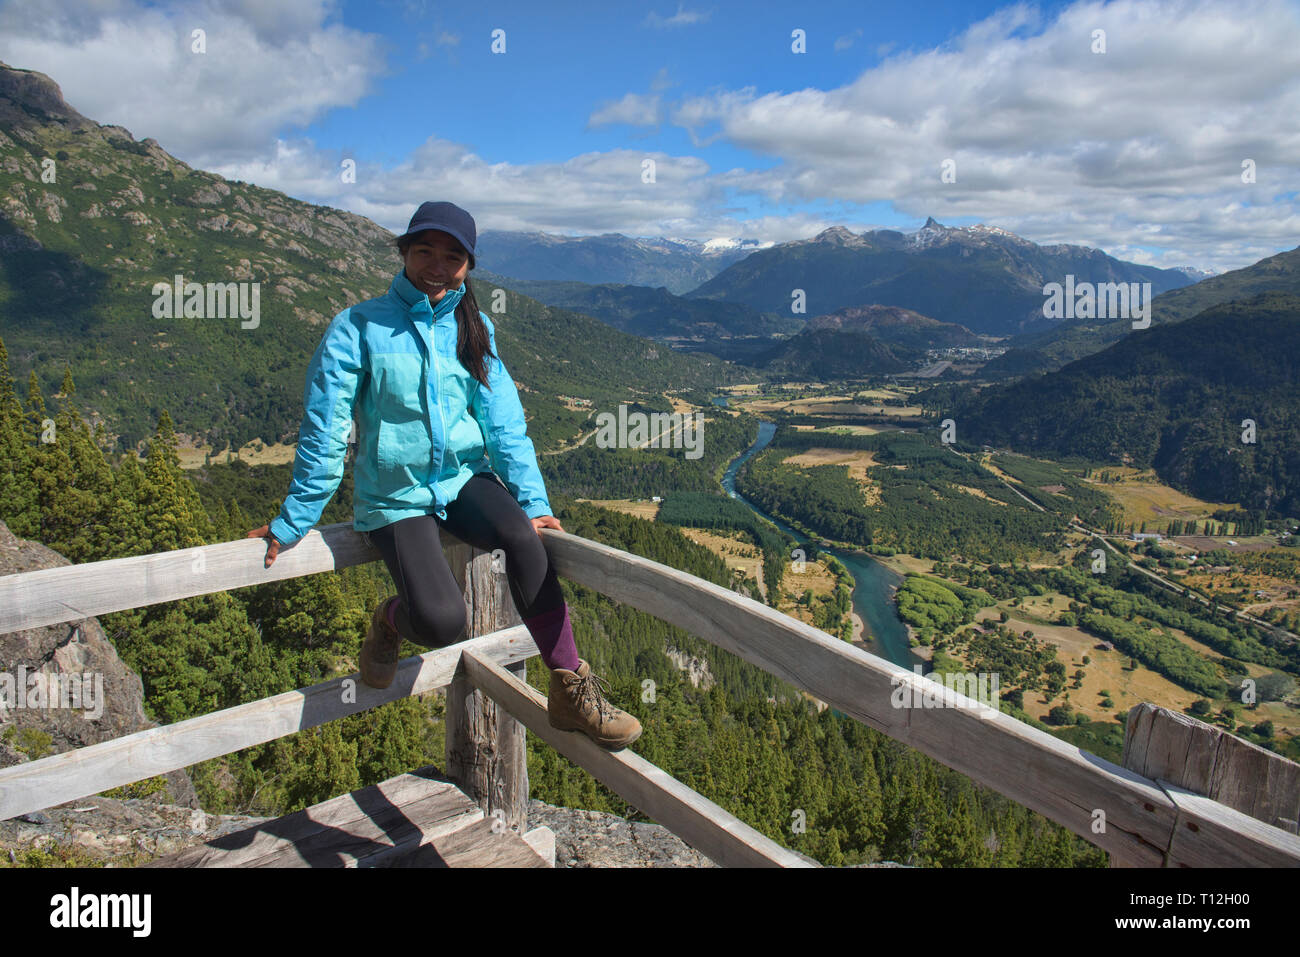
[437, 372]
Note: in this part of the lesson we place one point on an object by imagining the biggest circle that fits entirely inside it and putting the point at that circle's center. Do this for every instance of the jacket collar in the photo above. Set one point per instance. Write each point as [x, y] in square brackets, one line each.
[417, 301]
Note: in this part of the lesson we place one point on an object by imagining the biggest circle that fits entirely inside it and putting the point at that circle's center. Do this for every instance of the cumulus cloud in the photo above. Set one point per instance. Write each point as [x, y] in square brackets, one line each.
[266, 67]
[1136, 147]
[593, 192]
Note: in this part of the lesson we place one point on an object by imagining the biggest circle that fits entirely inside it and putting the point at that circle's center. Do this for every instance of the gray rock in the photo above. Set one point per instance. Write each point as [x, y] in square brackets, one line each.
[121, 833]
[597, 839]
[77, 648]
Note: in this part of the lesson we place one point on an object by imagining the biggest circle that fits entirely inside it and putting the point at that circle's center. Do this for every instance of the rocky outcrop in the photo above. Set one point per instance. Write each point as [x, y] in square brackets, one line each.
[133, 832]
[104, 702]
[30, 98]
[597, 839]
[117, 833]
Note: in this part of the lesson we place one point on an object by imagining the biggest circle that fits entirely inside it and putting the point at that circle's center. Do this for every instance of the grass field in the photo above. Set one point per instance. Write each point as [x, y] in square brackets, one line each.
[254, 453]
[733, 548]
[830, 405]
[858, 462]
[745, 557]
[1107, 670]
[1146, 499]
[646, 510]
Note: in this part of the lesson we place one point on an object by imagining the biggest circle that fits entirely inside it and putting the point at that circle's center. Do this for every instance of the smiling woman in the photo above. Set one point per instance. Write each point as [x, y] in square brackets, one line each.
[441, 442]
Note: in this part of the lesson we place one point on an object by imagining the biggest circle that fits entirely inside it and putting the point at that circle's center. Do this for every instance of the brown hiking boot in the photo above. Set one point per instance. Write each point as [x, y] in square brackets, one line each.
[576, 703]
[379, 652]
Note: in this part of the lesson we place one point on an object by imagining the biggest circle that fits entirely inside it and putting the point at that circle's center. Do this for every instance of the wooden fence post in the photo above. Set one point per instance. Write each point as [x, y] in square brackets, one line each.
[1177, 749]
[486, 754]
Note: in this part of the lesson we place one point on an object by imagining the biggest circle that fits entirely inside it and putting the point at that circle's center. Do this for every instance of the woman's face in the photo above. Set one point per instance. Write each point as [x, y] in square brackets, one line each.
[436, 262]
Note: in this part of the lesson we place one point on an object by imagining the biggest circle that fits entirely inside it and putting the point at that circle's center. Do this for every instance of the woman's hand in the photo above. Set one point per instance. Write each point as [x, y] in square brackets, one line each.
[546, 521]
[272, 546]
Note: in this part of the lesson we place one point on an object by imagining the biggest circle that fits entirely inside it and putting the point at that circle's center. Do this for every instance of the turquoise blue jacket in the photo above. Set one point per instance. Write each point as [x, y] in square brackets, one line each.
[424, 425]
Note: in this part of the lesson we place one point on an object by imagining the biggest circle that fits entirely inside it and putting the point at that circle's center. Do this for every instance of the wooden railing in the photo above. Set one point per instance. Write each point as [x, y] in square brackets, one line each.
[1180, 815]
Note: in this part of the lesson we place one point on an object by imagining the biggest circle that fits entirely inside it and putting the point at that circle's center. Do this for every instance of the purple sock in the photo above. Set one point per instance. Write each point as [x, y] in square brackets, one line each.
[553, 635]
[392, 611]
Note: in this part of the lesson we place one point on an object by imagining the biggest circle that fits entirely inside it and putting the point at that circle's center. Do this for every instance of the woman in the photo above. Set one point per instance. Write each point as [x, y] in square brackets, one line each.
[436, 413]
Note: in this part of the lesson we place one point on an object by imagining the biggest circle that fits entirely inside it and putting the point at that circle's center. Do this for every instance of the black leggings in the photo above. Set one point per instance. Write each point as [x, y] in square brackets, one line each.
[432, 607]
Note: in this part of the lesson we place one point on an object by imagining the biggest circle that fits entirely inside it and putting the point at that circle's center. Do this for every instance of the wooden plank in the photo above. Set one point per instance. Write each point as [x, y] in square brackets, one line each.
[75, 592]
[1210, 833]
[712, 830]
[134, 757]
[486, 754]
[478, 845]
[1028, 766]
[1168, 745]
[542, 840]
[342, 828]
[377, 837]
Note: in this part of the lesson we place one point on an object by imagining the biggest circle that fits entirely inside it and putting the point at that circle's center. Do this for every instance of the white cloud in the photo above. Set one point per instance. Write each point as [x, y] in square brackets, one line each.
[847, 40]
[1052, 140]
[679, 19]
[635, 109]
[592, 192]
[266, 67]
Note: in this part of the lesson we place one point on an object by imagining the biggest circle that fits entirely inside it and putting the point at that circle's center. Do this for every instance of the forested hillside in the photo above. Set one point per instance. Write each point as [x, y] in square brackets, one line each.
[1210, 403]
[1076, 338]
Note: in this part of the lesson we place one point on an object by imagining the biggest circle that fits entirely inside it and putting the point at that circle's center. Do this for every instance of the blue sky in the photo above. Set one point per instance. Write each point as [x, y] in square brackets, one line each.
[1137, 148]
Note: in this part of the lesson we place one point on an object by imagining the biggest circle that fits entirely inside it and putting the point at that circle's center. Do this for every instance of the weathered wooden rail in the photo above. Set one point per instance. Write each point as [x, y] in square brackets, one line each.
[1167, 807]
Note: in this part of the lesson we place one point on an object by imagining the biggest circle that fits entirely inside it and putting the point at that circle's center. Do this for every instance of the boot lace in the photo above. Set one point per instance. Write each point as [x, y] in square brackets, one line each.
[589, 689]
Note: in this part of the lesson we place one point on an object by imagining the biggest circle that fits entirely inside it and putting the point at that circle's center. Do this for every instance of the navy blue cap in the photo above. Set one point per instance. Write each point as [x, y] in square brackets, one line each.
[449, 218]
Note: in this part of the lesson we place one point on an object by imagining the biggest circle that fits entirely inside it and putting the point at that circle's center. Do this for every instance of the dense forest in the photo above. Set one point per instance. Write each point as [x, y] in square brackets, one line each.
[749, 743]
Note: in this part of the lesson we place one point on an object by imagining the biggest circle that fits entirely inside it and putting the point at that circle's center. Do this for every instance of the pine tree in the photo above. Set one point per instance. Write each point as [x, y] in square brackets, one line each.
[75, 484]
[128, 532]
[173, 513]
[19, 508]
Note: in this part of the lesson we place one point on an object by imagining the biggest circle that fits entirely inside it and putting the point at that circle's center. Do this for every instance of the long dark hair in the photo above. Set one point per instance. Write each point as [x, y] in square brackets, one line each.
[472, 343]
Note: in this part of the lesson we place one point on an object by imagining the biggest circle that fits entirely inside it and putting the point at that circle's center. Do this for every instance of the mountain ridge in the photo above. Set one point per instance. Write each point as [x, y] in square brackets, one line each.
[981, 277]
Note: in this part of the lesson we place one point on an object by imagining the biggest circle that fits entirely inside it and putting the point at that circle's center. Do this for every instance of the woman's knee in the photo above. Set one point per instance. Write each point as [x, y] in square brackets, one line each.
[437, 624]
[523, 547]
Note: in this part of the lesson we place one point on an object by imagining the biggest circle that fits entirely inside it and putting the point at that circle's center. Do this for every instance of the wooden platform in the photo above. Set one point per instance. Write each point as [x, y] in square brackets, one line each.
[413, 820]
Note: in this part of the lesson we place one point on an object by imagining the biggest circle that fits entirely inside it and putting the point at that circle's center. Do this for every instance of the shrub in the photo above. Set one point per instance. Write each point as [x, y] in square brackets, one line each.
[1059, 715]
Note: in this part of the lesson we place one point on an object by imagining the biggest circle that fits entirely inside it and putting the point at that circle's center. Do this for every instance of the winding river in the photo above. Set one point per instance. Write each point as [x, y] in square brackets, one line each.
[873, 583]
